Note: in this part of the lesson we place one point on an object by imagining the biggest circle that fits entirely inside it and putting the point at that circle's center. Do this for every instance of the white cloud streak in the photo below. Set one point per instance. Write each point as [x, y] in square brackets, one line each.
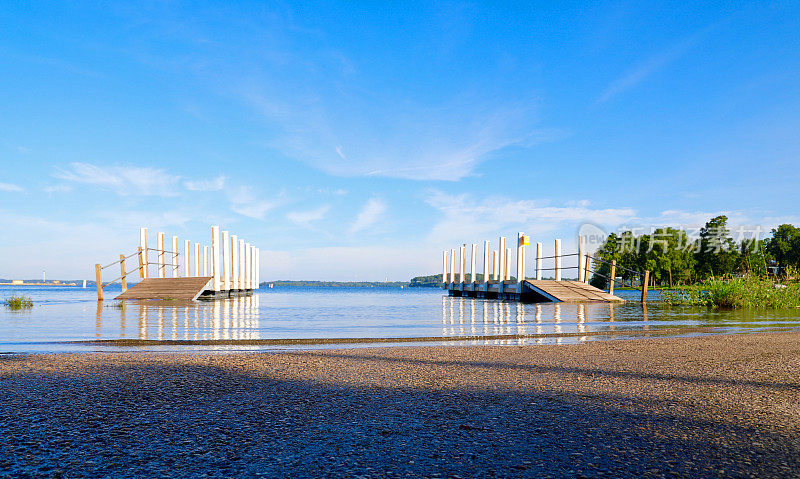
[304, 218]
[215, 184]
[11, 188]
[122, 180]
[370, 213]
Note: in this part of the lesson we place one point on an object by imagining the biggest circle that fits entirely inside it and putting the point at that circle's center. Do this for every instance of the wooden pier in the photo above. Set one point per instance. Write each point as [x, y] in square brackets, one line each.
[228, 267]
[497, 282]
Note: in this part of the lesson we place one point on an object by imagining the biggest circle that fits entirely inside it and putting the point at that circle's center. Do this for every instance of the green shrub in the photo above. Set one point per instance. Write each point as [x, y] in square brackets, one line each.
[18, 302]
[737, 293]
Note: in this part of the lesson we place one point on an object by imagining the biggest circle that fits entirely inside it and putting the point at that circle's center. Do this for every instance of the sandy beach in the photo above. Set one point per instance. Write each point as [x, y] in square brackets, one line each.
[703, 407]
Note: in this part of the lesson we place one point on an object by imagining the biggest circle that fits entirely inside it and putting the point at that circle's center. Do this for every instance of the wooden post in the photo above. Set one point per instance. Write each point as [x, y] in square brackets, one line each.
[99, 280]
[187, 263]
[645, 280]
[124, 276]
[197, 259]
[253, 284]
[580, 258]
[247, 266]
[494, 266]
[474, 269]
[257, 268]
[538, 261]
[486, 264]
[226, 258]
[452, 267]
[142, 269]
[501, 253]
[241, 264]
[462, 263]
[507, 267]
[588, 264]
[235, 261]
[160, 255]
[613, 275]
[205, 260]
[175, 260]
[558, 259]
[444, 268]
[215, 266]
[144, 254]
[520, 259]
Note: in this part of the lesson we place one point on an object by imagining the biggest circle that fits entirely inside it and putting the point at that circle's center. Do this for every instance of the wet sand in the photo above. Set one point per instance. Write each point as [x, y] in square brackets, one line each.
[702, 407]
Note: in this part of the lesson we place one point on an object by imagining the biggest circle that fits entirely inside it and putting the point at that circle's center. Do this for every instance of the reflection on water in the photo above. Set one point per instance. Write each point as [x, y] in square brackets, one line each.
[228, 319]
[520, 323]
[63, 315]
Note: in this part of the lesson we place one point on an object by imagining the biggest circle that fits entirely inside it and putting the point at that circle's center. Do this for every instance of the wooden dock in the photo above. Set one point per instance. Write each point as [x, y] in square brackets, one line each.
[229, 266]
[185, 289]
[534, 291]
[497, 282]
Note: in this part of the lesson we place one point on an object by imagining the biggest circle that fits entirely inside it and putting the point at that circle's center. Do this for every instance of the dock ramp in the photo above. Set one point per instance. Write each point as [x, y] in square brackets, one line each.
[187, 289]
[565, 291]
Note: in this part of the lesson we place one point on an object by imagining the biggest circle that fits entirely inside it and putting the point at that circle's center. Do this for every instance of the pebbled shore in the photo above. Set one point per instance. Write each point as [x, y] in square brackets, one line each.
[701, 407]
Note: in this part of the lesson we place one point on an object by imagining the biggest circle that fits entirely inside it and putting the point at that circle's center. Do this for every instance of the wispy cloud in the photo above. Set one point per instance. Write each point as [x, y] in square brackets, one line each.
[122, 180]
[304, 218]
[370, 213]
[10, 187]
[646, 69]
[50, 189]
[215, 184]
[248, 203]
[465, 216]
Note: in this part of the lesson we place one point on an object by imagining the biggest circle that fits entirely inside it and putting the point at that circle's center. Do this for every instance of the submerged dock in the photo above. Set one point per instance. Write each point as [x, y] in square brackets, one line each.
[496, 281]
[228, 267]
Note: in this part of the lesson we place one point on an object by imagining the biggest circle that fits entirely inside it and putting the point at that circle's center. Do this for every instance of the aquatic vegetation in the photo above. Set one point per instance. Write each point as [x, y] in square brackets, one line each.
[737, 293]
[18, 302]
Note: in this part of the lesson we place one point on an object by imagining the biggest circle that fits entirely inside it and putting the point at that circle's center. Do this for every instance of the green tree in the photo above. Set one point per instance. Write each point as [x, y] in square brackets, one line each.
[784, 246]
[716, 253]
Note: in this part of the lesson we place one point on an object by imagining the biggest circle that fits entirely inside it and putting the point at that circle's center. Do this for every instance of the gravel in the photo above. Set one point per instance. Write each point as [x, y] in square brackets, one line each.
[702, 407]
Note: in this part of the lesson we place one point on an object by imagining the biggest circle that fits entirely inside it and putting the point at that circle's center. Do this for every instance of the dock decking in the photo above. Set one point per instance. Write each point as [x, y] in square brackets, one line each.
[187, 289]
[534, 291]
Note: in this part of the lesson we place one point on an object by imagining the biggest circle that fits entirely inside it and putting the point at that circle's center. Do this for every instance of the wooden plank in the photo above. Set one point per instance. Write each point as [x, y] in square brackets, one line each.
[167, 288]
[571, 291]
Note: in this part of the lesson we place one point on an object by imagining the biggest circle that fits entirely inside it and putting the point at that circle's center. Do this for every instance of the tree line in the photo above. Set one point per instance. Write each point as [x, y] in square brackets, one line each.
[673, 257]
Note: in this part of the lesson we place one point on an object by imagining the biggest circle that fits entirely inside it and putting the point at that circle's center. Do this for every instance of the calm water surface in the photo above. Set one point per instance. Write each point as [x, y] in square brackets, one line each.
[62, 315]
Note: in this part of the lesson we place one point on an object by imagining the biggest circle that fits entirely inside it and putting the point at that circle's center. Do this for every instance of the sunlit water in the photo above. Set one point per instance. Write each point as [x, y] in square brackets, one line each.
[62, 316]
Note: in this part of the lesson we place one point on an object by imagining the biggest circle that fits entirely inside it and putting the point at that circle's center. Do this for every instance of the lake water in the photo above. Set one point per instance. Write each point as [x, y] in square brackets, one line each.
[70, 318]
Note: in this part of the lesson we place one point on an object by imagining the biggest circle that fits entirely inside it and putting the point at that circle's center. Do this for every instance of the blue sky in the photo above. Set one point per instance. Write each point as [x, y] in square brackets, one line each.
[355, 141]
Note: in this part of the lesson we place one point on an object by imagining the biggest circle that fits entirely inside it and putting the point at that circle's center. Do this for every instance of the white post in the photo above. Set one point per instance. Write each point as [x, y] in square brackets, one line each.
[216, 270]
[444, 268]
[485, 262]
[501, 252]
[235, 261]
[474, 269]
[506, 267]
[453, 265]
[494, 265]
[580, 258]
[558, 259]
[520, 259]
[175, 259]
[226, 258]
[187, 264]
[258, 268]
[538, 261]
[197, 259]
[247, 266]
[462, 263]
[241, 265]
[253, 284]
[205, 261]
[143, 244]
[160, 255]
